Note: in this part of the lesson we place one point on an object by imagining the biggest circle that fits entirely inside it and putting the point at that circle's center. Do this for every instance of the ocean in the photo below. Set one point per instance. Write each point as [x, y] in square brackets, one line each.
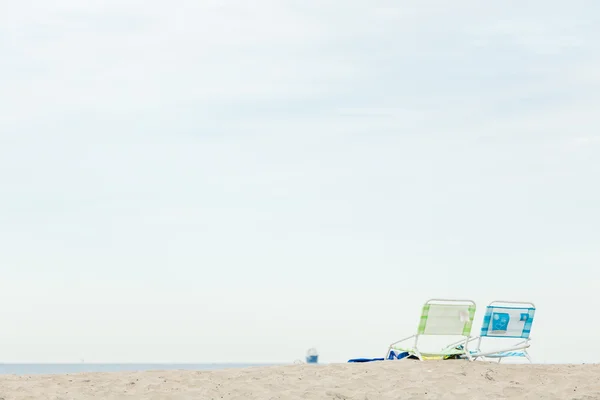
[36, 369]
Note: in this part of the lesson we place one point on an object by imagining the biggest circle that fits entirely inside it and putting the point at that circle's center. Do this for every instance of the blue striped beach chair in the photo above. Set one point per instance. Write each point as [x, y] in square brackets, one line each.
[439, 317]
[510, 321]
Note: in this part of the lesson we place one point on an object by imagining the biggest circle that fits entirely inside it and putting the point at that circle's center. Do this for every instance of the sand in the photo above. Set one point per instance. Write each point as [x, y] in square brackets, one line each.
[380, 380]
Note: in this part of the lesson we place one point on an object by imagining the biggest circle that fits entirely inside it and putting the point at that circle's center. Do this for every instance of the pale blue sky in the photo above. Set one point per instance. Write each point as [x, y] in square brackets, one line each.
[240, 181]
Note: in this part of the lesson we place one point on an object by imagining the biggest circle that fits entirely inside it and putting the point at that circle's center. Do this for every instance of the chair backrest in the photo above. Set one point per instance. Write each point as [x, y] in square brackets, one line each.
[508, 319]
[447, 317]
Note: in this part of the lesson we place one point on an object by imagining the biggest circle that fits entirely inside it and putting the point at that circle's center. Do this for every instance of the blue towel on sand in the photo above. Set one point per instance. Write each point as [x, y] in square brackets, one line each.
[361, 360]
[392, 356]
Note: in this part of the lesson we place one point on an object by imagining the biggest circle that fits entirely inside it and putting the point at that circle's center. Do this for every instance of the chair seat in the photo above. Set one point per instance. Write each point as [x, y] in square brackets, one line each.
[441, 355]
[451, 352]
[506, 354]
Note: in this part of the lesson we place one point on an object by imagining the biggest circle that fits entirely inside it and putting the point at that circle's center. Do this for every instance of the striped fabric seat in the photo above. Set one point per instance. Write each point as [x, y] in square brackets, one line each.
[506, 320]
[508, 354]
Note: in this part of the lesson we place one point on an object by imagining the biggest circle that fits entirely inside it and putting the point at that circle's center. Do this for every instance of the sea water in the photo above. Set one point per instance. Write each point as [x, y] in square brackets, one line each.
[34, 369]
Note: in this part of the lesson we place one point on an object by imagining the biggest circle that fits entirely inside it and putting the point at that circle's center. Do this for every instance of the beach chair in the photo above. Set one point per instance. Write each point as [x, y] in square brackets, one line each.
[440, 317]
[503, 321]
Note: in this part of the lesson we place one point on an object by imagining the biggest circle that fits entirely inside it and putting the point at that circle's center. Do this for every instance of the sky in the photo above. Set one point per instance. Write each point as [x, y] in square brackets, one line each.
[236, 181]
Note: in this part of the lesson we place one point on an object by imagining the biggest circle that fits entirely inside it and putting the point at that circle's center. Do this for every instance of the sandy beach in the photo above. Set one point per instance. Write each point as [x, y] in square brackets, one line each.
[381, 380]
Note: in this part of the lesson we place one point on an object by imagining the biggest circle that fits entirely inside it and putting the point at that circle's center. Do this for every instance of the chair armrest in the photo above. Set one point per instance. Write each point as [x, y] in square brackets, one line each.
[402, 340]
[522, 346]
[466, 342]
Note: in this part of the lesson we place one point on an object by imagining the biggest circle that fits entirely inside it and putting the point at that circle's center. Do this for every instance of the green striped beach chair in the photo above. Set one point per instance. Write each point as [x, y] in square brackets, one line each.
[505, 321]
[441, 317]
